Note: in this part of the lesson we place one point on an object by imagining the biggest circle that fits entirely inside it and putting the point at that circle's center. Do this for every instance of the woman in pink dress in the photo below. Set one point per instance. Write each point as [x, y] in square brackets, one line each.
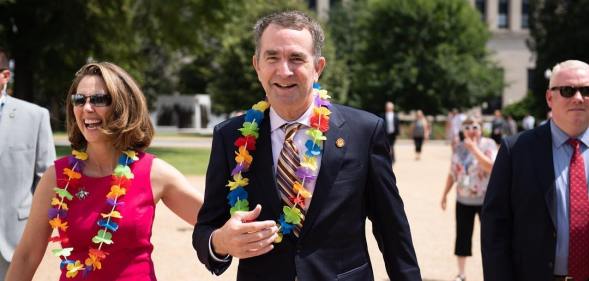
[100, 201]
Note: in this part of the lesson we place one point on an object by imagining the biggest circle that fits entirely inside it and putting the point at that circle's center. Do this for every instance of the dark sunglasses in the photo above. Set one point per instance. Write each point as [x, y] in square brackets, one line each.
[97, 100]
[569, 91]
[470, 127]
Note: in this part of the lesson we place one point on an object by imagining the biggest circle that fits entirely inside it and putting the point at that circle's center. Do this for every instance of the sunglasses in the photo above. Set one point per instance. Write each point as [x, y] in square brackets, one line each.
[97, 100]
[471, 127]
[569, 91]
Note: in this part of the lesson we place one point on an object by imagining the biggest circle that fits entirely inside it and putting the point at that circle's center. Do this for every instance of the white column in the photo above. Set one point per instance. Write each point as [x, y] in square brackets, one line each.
[515, 15]
[323, 9]
[492, 9]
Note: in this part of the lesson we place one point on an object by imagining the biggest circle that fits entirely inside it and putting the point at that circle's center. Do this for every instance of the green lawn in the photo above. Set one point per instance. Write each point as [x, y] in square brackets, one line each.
[189, 161]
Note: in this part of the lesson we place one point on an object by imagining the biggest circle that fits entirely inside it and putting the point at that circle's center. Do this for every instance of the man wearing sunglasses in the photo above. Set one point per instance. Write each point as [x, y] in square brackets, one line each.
[26, 150]
[535, 218]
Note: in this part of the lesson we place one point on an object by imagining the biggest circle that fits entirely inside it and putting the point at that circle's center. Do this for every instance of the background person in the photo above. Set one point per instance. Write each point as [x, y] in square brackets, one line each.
[391, 123]
[420, 131]
[107, 190]
[534, 219]
[470, 169]
[26, 150]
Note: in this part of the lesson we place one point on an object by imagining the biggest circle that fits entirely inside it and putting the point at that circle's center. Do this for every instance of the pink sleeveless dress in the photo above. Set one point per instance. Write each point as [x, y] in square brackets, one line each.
[130, 255]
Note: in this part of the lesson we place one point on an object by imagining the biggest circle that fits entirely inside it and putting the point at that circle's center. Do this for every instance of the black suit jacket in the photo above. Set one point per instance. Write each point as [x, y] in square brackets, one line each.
[518, 222]
[354, 182]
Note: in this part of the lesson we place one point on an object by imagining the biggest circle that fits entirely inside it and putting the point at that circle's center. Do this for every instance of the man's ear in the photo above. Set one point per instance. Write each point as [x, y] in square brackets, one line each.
[319, 66]
[255, 62]
[549, 97]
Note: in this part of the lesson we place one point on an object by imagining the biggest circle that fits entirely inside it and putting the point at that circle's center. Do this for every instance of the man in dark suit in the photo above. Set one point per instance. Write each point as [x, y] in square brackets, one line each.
[391, 125]
[354, 179]
[534, 219]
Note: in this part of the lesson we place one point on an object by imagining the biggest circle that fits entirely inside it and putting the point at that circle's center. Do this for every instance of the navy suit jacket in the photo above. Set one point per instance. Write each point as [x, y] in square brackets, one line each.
[518, 222]
[354, 182]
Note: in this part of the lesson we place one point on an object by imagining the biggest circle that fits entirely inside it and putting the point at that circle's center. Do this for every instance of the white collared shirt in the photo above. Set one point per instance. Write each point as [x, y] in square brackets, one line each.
[277, 135]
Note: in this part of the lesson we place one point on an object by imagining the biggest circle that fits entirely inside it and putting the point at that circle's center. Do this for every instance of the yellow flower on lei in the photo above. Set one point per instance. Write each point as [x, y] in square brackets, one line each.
[261, 106]
[113, 214]
[57, 202]
[238, 181]
[323, 95]
[321, 110]
[116, 191]
[80, 155]
[309, 162]
[73, 268]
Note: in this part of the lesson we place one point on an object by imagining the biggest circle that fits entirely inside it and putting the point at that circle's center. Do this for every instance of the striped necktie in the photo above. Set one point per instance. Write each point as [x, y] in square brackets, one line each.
[288, 163]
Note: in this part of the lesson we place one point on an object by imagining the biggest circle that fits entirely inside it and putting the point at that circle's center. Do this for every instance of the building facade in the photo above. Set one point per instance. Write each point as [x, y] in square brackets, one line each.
[508, 23]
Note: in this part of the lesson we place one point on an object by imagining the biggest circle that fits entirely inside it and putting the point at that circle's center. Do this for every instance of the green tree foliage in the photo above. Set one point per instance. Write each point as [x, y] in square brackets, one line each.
[421, 54]
[558, 30]
[226, 70]
[50, 40]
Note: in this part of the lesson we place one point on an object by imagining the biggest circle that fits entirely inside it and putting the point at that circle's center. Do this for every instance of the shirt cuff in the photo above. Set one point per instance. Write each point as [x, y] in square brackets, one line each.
[227, 258]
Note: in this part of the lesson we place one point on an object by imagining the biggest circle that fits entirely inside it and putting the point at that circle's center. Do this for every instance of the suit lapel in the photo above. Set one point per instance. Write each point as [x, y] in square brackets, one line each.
[330, 165]
[8, 115]
[264, 167]
[545, 168]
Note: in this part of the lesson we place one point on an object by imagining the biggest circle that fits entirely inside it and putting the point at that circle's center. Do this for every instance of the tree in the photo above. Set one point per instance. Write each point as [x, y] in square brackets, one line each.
[421, 54]
[559, 32]
[50, 40]
[233, 83]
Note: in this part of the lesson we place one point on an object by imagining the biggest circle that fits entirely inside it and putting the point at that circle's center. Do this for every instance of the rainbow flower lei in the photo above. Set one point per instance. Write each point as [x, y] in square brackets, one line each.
[306, 173]
[121, 181]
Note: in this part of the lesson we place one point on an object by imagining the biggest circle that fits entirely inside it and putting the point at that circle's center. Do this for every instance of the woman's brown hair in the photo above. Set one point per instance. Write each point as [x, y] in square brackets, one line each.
[128, 124]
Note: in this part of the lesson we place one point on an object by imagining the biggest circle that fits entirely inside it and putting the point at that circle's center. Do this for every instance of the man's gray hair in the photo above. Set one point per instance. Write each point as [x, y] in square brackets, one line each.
[569, 64]
[293, 20]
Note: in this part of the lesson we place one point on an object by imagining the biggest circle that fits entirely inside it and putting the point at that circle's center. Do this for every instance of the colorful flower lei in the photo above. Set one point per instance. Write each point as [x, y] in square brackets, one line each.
[306, 173]
[121, 181]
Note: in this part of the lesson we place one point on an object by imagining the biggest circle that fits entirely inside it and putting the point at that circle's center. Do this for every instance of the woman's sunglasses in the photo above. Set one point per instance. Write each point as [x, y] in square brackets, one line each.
[569, 91]
[97, 100]
[470, 127]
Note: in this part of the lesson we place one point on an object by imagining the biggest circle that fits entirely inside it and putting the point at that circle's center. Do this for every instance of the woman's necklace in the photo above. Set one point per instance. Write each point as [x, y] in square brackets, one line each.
[306, 173]
[121, 181]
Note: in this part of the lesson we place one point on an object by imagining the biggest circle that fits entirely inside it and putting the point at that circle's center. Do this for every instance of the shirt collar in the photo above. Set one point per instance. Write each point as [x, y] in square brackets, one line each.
[559, 137]
[276, 121]
[2, 97]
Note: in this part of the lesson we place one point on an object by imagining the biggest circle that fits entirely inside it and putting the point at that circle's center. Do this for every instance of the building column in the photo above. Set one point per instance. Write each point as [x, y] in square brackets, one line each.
[492, 10]
[323, 10]
[515, 15]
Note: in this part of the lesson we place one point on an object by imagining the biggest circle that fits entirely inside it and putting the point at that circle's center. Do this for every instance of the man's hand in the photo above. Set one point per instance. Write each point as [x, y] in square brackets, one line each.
[241, 237]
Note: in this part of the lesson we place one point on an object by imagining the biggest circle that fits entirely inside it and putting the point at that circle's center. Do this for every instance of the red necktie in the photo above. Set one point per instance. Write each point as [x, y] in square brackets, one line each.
[579, 216]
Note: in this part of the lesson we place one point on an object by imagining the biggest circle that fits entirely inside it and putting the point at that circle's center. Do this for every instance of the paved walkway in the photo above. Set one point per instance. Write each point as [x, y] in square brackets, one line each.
[420, 183]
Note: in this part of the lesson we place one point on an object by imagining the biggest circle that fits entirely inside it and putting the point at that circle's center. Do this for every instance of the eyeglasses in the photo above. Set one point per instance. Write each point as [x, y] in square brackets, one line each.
[98, 100]
[470, 127]
[569, 91]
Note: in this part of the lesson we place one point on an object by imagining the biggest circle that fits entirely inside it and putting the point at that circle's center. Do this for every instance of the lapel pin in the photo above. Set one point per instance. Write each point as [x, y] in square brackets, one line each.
[340, 143]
